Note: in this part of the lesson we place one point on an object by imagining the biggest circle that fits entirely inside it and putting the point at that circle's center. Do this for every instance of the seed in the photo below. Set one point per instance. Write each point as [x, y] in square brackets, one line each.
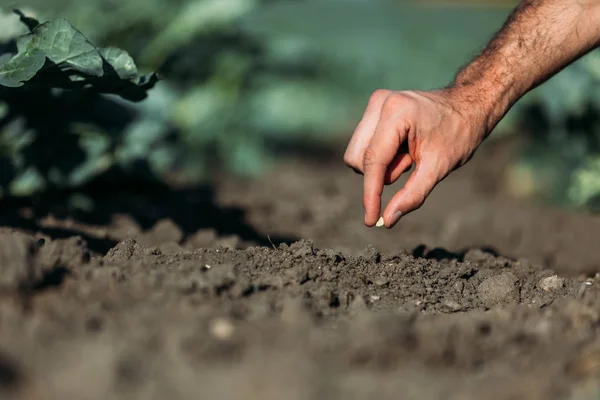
[380, 223]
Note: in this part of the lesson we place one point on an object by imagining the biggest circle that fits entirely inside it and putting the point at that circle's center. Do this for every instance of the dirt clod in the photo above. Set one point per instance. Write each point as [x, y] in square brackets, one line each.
[499, 289]
[123, 251]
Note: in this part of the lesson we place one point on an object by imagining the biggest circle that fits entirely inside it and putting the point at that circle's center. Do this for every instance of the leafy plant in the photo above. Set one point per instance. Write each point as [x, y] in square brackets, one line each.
[561, 127]
[227, 101]
[235, 95]
[58, 128]
[56, 55]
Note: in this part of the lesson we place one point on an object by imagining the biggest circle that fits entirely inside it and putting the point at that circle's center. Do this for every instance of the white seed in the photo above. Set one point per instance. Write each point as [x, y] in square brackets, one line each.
[380, 223]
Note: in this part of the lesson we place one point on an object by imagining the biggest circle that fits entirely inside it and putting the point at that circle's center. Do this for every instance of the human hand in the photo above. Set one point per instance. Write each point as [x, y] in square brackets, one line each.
[438, 131]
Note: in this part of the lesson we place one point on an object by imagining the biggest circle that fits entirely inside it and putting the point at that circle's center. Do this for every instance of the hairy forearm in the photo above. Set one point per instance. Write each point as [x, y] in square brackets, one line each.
[539, 39]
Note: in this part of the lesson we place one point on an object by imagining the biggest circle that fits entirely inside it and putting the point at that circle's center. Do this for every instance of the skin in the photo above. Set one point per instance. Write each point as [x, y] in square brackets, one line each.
[439, 131]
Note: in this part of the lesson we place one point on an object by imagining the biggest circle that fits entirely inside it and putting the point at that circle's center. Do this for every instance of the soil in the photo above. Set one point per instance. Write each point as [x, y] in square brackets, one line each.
[273, 288]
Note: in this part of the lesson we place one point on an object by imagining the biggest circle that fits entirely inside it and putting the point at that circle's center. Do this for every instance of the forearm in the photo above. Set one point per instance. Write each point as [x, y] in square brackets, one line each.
[539, 39]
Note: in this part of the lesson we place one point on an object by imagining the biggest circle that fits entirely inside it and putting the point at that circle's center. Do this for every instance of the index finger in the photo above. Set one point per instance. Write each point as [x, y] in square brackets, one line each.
[384, 145]
[364, 131]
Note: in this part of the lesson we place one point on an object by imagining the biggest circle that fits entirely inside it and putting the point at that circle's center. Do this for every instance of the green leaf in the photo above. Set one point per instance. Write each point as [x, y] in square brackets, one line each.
[65, 46]
[121, 62]
[5, 58]
[20, 68]
[59, 56]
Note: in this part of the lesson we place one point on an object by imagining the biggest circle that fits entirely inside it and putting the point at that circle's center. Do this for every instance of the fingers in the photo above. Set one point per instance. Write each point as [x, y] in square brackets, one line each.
[401, 163]
[414, 193]
[363, 133]
[378, 156]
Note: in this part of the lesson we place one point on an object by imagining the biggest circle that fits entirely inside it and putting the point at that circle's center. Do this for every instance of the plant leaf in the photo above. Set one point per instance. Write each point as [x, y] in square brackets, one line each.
[5, 58]
[20, 68]
[121, 62]
[65, 46]
[60, 56]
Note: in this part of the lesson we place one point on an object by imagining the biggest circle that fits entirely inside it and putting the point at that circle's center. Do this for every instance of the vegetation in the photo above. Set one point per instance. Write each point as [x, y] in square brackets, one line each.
[242, 82]
[227, 100]
[560, 158]
[50, 80]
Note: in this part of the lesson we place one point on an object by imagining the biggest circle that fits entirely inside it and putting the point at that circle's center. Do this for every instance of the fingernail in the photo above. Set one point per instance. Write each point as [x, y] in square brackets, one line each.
[395, 218]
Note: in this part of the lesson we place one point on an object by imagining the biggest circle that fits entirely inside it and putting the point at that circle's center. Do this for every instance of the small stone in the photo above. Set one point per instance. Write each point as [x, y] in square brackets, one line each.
[499, 289]
[222, 329]
[451, 306]
[459, 287]
[380, 223]
[375, 298]
[551, 283]
[382, 281]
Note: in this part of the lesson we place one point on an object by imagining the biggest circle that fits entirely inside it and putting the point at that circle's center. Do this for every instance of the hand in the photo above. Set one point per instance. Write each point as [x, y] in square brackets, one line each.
[438, 131]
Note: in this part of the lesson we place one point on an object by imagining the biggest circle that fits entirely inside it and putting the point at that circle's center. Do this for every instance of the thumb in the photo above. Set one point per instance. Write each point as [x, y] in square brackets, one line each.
[412, 196]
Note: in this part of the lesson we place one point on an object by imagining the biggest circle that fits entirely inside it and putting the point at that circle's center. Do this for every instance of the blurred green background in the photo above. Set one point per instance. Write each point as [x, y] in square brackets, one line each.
[246, 82]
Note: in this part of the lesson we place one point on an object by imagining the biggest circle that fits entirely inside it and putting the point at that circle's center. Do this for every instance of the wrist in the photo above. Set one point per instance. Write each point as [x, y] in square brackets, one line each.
[482, 102]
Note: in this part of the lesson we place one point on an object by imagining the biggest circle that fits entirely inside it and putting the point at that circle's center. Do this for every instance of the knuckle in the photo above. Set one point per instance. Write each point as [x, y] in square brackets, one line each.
[379, 95]
[396, 101]
[369, 158]
[349, 160]
[355, 166]
[419, 200]
[391, 104]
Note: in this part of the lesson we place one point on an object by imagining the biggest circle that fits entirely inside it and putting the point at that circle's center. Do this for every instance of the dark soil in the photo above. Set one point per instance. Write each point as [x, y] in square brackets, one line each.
[274, 289]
